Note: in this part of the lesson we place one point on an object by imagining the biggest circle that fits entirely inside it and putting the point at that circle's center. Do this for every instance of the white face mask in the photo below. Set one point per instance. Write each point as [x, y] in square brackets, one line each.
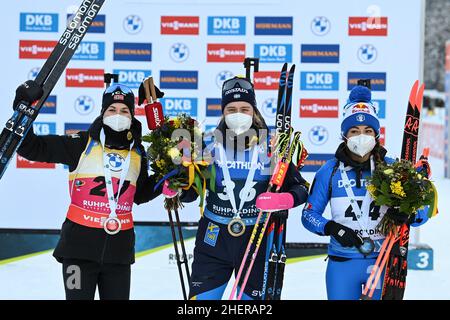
[117, 122]
[239, 122]
[361, 144]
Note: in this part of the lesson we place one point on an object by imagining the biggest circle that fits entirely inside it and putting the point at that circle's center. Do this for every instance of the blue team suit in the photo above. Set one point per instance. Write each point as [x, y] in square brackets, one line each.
[347, 269]
[217, 253]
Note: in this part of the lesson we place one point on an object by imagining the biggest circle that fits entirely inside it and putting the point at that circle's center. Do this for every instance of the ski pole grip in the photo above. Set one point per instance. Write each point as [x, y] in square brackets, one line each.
[152, 89]
[279, 173]
[147, 89]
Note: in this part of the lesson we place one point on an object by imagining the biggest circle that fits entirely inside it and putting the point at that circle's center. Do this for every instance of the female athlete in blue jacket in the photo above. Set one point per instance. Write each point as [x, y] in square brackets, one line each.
[355, 240]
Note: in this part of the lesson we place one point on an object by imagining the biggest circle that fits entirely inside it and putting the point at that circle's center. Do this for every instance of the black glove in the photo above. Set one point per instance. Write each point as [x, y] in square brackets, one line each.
[344, 235]
[28, 92]
[399, 218]
[159, 94]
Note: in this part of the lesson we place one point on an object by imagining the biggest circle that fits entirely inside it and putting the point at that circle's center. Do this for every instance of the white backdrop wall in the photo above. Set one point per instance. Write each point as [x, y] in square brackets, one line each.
[328, 41]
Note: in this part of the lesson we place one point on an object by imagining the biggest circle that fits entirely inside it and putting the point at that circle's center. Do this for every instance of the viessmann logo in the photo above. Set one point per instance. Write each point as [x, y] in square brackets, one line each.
[225, 52]
[319, 108]
[266, 80]
[188, 25]
[367, 26]
[35, 49]
[89, 78]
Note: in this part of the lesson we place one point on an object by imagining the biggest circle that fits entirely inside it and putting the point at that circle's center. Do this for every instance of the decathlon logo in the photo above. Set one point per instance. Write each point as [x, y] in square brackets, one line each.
[222, 77]
[318, 135]
[269, 107]
[179, 52]
[84, 105]
[133, 24]
[115, 161]
[320, 26]
[33, 73]
[367, 53]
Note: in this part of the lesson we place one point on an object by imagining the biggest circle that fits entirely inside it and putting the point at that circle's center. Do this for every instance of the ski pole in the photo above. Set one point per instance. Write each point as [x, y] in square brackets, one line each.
[183, 249]
[375, 267]
[253, 256]
[382, 267]
[247, 251]
[175, 245]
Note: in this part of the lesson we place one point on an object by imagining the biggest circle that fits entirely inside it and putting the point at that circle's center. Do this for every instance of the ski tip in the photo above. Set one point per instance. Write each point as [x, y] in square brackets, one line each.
[426, 152]
[419, 98]
[413, 93]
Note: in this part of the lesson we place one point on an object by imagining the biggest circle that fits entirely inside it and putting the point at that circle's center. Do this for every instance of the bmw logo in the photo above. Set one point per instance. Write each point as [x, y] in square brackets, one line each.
[84, 105]
[222, 76]
[367, 53]
[320, 26]
[33, 73]
[133, 24]
[269, 107]
[179, 52]
[115, 161]
[318, 135]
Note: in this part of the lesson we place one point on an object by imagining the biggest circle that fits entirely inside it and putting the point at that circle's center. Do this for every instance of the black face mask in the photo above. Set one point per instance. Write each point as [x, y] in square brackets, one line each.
[117, 140]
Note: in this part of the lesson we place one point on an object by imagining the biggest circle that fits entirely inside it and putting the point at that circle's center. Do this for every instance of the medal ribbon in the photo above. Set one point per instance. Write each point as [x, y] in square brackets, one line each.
[364, 210]
[113, 201]
[229, 184]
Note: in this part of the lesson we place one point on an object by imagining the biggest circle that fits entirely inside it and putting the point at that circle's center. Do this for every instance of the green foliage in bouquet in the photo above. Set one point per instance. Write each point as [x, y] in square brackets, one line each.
[399, 185]
[177, 157]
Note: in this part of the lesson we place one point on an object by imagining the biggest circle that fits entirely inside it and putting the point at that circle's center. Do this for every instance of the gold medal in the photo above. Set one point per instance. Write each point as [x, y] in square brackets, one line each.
[129, 135]
[236, 227]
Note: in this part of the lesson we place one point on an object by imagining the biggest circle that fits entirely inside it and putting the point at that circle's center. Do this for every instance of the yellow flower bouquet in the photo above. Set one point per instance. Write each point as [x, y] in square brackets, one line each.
[175, 153]
[399, 185]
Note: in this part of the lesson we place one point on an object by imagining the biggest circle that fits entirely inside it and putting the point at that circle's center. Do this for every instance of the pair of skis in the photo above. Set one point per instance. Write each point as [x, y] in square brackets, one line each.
[394, 250]
[276, 233]
[24, 114]
[285, 151]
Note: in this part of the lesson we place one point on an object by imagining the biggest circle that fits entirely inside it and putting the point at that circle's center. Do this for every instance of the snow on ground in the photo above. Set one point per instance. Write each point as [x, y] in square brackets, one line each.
[155, 276]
